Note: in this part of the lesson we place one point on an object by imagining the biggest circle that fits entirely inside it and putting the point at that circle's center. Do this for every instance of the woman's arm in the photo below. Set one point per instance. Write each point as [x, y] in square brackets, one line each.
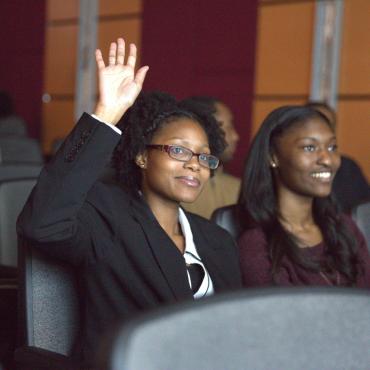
[55, 216]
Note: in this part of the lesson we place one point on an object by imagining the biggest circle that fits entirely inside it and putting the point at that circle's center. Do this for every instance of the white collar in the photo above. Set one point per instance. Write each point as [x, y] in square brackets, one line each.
[191, 256]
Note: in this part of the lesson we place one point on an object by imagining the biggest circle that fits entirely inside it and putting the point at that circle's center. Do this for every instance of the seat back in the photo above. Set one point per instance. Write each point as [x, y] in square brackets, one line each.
[19, 149]
[13, 196]
[49, 308]
[230, 218]
[19, 171]
[361, 215]
[290, 329]
[12, 125]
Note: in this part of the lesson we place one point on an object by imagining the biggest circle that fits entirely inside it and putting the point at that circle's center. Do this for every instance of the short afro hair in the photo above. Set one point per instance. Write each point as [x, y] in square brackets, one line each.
[150, 112]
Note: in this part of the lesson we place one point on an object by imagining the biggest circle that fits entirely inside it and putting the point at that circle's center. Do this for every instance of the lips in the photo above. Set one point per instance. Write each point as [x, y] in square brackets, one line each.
[189, 181]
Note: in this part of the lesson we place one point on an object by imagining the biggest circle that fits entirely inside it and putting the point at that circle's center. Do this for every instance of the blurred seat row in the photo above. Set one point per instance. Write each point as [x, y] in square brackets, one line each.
[21, 161]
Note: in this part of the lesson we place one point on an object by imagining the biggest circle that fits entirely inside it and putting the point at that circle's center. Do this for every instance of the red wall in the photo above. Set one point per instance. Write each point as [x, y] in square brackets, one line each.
[204, 47]
[22, 25]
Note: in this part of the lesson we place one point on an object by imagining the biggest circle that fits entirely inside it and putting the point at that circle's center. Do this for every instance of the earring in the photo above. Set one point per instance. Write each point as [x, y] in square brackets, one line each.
[273, 164]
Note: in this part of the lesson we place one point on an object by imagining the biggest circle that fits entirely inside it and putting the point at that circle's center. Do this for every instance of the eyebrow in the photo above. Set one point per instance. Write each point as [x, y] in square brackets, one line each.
[186, 142]
[315, 139]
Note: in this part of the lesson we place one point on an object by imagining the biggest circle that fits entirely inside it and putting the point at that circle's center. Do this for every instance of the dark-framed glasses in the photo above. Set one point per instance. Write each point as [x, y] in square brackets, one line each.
[182, 154]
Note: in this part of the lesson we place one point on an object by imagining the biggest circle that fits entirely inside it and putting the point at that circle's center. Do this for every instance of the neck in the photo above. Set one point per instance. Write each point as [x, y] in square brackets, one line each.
[166, 213]
[295, 210]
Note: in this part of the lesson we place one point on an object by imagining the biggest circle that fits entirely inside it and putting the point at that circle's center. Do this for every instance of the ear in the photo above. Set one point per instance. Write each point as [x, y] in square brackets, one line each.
[274, 163]
[141, 160]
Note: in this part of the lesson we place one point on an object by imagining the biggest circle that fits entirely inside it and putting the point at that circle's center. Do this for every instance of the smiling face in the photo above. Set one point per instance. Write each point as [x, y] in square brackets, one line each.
[166, 179]
[305, 160]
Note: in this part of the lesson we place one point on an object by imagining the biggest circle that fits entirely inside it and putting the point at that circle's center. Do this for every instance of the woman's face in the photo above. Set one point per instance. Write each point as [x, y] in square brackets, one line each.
[306, 159]
[165, 178]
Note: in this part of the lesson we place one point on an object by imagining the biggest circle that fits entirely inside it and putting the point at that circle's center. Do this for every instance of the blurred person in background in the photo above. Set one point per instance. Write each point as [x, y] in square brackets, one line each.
[222, 189]
[10, 122]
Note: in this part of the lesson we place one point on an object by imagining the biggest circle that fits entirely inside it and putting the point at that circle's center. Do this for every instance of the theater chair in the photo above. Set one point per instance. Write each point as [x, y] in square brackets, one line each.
[13, 195]
[48, 312]
[18, 171]
[361, 215]
[230, 218]
[275, 328]
[20, 149]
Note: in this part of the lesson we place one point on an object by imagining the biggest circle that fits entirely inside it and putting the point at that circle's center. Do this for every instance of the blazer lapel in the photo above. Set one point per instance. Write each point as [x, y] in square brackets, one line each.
[168, 257]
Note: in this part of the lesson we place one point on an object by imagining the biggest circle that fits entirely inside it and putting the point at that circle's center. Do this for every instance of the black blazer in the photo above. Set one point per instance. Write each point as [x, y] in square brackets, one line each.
[126, 262]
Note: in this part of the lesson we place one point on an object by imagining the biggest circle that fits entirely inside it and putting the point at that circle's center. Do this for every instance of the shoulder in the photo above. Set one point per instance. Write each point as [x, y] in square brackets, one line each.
[107, 196]
[254, 236]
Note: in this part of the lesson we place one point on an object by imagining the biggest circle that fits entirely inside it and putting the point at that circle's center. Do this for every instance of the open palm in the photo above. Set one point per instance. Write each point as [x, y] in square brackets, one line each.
[119, 86]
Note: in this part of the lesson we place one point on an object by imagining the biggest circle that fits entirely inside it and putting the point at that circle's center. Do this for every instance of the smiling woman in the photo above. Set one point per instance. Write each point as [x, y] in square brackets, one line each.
[297, 237]
[134, 247]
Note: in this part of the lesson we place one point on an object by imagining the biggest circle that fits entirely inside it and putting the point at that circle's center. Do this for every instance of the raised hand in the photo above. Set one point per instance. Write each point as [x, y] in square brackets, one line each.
[119, 86]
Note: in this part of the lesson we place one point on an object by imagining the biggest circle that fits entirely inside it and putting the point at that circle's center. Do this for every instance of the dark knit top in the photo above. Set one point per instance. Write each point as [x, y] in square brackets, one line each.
[256, 263]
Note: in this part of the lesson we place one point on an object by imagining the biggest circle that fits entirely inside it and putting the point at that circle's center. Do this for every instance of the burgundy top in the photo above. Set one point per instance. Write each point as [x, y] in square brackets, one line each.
[256, 262]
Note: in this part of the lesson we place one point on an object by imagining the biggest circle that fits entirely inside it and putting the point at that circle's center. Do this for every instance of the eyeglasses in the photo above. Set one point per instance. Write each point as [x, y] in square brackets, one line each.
[184, 155]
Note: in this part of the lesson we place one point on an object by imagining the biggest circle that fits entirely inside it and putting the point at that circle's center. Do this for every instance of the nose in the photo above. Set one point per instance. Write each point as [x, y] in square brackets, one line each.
[193, 164]
[325, 157]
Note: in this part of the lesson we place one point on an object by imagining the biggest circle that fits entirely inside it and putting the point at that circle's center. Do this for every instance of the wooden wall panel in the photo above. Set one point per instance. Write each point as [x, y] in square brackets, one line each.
[62, 9]
[114, 7]
[354, 132]
[60, 59]
[283, 64]
[355, 51]
[110, 30]
[116, 18]
[284, 44]
[263, 107]
[58, 118]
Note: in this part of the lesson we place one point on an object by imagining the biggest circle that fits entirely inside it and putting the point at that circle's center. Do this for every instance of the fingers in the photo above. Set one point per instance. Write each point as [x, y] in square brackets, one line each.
[120, 51]
[140, 76]
[131, 60]
[99, 59]
[112, 53]
[117, 55]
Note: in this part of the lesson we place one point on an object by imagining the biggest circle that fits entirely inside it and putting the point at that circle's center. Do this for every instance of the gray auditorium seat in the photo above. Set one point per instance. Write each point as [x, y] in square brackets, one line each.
[19, 149]
[13, 196]
[283, 329]
[19, 171]
[361, 215]
[48, 311]
[13, 125]
[229, 218]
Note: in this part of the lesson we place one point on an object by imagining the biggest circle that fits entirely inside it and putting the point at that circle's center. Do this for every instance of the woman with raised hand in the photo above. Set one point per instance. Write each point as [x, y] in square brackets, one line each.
[134, 247]
[297, 237]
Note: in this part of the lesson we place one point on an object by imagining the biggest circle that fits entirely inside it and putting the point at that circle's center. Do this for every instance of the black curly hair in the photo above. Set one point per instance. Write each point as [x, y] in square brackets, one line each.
[150, 112]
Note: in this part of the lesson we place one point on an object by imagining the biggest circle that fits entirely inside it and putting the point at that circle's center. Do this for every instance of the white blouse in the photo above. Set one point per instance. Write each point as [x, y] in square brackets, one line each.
[191, 256]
